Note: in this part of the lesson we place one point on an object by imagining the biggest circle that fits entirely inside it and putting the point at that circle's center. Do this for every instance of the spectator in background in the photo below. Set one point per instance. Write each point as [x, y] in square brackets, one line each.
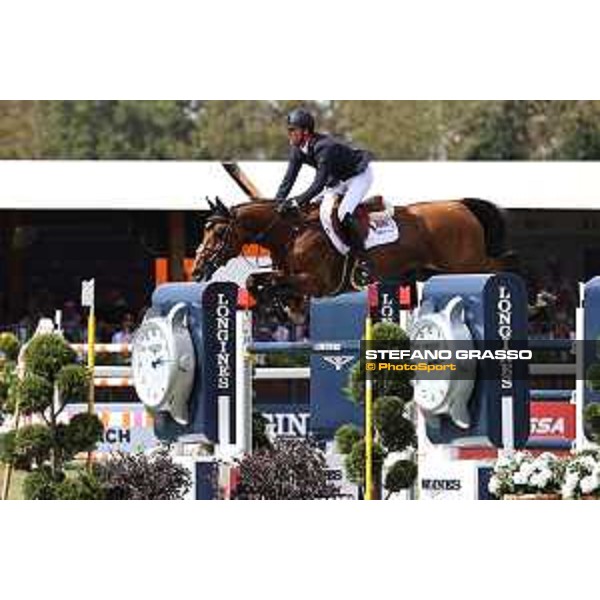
[72, 322]
[125, 334]
[281, 333]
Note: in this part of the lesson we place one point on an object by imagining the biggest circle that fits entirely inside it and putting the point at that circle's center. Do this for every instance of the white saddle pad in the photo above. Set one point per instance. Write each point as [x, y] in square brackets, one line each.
[382, 230]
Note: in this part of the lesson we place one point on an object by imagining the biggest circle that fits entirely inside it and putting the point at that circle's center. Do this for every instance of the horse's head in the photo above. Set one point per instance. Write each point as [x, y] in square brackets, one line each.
[222, 240]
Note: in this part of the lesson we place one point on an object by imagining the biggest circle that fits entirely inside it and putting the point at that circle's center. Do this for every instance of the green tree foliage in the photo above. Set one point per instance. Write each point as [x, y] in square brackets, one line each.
[531, 130]
[354, 462]
[73, 383]
[396, 432]
[255, 129]
[80, 485]
[36, 393]
[249, 129]
[47, 354]
[9, 351]
[20, 135]
[82, 433]
[346, 436]
[580, 132]
[9, 347]
[41, 484]
[50, 367]
[239, 129]
[117, 129]
[30, 447]
[591, 421]
[390, 129]
[400, 476]
[500, 132]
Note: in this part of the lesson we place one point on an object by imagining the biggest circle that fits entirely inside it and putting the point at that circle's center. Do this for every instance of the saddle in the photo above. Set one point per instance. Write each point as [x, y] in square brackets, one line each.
[368, 214]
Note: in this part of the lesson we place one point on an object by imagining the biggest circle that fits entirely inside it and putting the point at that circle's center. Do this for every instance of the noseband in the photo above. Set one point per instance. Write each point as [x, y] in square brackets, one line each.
[214, 260]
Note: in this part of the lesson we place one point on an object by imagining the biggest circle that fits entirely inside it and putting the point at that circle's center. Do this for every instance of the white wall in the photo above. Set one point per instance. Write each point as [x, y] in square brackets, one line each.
[173, 185]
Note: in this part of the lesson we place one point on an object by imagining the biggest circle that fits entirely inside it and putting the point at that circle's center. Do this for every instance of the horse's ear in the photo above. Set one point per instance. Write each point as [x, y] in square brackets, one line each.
[221, 207]
[210, 205]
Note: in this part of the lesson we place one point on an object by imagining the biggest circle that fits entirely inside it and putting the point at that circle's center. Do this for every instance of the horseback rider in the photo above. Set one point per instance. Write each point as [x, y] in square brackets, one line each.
[339, 166]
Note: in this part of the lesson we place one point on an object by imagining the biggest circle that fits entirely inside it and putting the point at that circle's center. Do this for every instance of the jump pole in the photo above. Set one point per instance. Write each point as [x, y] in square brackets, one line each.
[368, 419]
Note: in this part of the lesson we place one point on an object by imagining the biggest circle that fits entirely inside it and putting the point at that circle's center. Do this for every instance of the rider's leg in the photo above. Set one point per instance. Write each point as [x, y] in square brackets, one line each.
[358, 186]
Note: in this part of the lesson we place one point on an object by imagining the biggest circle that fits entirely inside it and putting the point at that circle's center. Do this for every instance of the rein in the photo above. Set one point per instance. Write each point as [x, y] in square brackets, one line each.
[214, 259]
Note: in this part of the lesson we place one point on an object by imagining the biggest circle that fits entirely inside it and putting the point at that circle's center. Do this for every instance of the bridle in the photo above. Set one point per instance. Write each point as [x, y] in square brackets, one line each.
[216, 258]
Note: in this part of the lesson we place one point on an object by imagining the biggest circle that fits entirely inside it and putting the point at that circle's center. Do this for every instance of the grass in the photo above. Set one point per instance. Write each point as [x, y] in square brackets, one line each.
[16, 483]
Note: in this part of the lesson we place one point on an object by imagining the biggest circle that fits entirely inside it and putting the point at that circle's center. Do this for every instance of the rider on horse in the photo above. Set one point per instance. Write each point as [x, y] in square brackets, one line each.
[339, 166]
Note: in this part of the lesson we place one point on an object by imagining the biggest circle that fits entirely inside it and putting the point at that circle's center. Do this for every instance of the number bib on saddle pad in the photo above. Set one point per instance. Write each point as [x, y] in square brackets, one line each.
[382, 227]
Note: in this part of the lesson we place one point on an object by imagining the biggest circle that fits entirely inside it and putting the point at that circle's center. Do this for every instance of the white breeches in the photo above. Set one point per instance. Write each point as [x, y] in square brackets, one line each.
[355, 189]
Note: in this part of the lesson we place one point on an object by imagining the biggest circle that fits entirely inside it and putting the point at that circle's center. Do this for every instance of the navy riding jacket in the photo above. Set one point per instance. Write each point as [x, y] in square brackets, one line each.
[334, 161]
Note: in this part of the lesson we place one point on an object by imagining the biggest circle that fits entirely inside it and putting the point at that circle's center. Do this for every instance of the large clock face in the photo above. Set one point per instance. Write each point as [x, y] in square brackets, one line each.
[428, 331]
[151, 363]
[431, 393]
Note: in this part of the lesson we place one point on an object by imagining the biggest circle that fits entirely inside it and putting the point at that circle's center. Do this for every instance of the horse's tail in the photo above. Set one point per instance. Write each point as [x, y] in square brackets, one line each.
[493, 221]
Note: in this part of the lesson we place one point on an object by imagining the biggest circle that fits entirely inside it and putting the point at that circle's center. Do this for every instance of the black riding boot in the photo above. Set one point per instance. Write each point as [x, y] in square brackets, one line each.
[353, 237]
[355, 241]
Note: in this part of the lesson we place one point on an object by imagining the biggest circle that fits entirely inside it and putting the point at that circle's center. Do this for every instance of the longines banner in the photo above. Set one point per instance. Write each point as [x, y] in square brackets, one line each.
[219, 304]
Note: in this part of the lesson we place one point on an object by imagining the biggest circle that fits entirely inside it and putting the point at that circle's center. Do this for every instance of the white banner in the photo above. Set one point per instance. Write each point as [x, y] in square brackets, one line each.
[87, 293]
[447, 480]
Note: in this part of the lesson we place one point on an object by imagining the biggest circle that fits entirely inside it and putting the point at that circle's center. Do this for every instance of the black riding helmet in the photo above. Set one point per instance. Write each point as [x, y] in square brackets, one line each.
[301, 119]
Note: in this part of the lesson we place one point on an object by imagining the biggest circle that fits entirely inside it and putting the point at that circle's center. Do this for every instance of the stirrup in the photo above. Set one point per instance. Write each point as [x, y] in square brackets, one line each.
[362, 272]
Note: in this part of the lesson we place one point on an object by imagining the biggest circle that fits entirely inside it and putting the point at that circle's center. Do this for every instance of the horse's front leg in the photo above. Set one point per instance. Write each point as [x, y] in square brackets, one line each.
[275, 289]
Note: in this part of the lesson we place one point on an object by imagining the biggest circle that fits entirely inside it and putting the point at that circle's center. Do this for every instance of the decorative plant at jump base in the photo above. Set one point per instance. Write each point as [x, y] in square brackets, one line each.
[395, 438]
[291, 469]
[522, 475]
[9, 352]
[51, 378]
[150, 476]
[582, 476]
[260, 439]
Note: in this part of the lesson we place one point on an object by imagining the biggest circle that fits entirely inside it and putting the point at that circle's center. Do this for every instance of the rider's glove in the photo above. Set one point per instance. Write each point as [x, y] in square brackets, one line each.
[289, 205]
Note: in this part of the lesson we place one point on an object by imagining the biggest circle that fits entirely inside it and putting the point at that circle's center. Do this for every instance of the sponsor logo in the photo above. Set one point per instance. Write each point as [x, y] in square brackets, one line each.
[504, 315]
[549, 426]
[286, 424]
[387, 307]
[222, 335]
[441, 485]
[338, 362]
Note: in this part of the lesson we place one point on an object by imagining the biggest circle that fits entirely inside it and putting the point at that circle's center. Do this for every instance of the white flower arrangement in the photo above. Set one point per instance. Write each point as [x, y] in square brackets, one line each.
[523, 473]
[582, 475]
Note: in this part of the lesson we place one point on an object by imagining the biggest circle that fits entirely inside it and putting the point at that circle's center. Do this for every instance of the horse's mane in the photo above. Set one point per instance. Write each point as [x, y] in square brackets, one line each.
[259, 202]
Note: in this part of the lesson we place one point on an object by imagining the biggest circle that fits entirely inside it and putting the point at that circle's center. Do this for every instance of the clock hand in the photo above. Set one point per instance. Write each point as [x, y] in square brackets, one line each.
[159, 361]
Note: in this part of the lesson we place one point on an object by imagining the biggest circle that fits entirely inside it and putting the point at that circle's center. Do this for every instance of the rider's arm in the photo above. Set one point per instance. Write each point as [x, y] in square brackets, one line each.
[294, 164]
[320, 180]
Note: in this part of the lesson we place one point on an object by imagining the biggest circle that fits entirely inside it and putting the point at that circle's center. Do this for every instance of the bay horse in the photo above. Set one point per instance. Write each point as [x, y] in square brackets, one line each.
[456, 236]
